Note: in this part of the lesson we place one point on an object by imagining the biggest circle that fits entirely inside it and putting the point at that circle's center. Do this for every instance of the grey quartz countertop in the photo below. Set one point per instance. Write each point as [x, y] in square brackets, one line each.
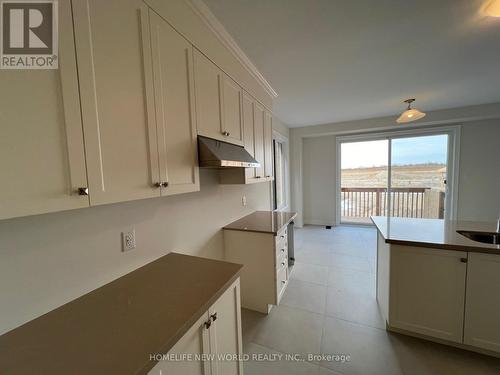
[434, 233]
[263, 222]
[115, 328]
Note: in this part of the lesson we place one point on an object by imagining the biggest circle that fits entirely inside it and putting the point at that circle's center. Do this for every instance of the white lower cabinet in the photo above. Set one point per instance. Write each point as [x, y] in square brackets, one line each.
[428, 291]
[482, 307]
[441, 294]
[264, 256]
[216, 336]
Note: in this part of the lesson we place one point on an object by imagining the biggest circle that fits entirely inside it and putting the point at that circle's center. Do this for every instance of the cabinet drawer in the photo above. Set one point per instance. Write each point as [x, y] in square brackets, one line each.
[281, 281]
[281, 249]
[282, 261]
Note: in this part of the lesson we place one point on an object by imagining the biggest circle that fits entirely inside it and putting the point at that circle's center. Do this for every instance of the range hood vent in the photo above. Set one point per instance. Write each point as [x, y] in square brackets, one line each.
[217, 154]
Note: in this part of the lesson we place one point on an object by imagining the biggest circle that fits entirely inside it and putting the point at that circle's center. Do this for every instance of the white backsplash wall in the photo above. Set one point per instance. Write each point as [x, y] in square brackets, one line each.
[48, 260]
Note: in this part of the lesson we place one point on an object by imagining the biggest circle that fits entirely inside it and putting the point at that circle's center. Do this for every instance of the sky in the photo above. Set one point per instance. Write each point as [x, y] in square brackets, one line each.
[416, 150]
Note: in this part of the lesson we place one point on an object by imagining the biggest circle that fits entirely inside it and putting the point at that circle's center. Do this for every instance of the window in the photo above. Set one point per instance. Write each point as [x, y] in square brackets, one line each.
[280, 201]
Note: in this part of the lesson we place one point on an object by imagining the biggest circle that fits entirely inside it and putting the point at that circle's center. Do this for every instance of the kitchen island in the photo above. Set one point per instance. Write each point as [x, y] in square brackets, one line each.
[435, 283]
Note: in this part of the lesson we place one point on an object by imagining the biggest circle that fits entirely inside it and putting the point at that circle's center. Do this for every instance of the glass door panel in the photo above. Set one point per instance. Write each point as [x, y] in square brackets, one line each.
[363, 180]
[418, 176]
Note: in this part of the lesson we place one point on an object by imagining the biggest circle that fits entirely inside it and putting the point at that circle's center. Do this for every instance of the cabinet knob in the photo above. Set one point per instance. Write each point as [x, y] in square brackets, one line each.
[208, 323]
[463, 260]
[258, 176]
[268, 176]
[283, 281]
[83, 191]
[226, 133]
[157, 184]
[164, 184]
[282, 263]
[213, 317]
[282, 250]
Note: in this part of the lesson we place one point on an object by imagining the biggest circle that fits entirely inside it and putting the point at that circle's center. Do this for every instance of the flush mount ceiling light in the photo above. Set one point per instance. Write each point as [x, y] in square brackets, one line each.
[411, 114]
[492, 8]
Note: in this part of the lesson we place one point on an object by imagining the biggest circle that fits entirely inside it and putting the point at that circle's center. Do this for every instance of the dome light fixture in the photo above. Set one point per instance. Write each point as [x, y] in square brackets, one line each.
[492, 9]
[411, 114]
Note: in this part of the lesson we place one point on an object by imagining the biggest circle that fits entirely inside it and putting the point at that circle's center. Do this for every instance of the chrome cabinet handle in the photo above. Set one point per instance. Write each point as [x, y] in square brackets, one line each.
[161, 184]
[282, 250]
[83, 191]
[213, 317]
[282, 263]
[208, 323]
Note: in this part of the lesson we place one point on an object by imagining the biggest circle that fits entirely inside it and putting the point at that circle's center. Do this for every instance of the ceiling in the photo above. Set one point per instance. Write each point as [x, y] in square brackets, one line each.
[341, 60]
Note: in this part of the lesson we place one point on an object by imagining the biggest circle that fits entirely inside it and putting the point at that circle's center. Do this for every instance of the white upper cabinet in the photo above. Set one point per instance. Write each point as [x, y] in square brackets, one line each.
[248, 132]
[41, 142]
[268, 145]
[232, 122]
[175, 115]
[218, 102]
[482, 306]
[258, 129]
[208, 85]
[114, 69]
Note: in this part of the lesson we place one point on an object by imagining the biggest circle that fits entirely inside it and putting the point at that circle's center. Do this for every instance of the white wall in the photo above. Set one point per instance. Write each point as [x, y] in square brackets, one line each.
[479, 155]
[319, 180]
[48, 260]
[479, 184]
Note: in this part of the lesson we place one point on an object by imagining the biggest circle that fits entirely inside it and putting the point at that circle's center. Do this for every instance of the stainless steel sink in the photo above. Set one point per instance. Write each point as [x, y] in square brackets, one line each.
[484, 237]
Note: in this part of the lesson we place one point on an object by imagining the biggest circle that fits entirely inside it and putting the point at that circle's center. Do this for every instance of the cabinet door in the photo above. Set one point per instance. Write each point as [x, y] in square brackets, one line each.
[427, 293]
[268, 145]
[482, 306]
[248, 132]
[231, 100]
[195, 342]
[259, 139]
[225, 332]
[175, 117]
[208, 85]
[114, 69]
[41, 141]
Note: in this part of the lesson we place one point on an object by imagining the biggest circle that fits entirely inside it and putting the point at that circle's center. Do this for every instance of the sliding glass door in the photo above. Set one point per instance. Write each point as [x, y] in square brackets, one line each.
[400, 176]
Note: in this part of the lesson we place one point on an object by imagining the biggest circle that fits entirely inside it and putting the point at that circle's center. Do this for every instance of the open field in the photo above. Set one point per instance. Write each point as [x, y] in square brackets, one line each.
[418, 191]
[422, 175]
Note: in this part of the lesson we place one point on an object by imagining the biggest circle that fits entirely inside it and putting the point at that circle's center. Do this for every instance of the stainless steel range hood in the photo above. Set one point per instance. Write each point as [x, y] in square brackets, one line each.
[217, 154]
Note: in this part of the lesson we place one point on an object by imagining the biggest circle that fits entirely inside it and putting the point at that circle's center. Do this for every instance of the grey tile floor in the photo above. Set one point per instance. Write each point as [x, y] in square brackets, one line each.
[329, 307]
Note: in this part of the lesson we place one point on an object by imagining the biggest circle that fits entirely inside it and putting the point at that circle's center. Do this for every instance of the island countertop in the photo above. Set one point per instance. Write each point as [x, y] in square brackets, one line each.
[434, 233]
[263, 222]
[115, 328]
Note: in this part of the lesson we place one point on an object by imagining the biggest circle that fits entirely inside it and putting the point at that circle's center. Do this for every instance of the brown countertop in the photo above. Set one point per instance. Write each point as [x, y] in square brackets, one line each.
[263, 222]
[114, 329]
[434, 233]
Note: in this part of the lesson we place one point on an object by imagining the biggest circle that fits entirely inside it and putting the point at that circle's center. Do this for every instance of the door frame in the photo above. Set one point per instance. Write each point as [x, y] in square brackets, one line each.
[452, 161]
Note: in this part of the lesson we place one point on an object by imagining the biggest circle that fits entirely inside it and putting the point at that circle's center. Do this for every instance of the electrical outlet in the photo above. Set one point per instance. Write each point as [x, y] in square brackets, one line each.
[244, 201]
[128, 240]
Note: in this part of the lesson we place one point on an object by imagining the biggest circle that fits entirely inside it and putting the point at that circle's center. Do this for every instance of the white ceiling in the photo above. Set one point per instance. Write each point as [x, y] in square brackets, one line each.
[340, 60]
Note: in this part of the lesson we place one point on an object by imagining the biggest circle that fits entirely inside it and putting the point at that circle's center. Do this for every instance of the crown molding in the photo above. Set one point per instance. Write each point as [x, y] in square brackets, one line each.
[202, 10]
